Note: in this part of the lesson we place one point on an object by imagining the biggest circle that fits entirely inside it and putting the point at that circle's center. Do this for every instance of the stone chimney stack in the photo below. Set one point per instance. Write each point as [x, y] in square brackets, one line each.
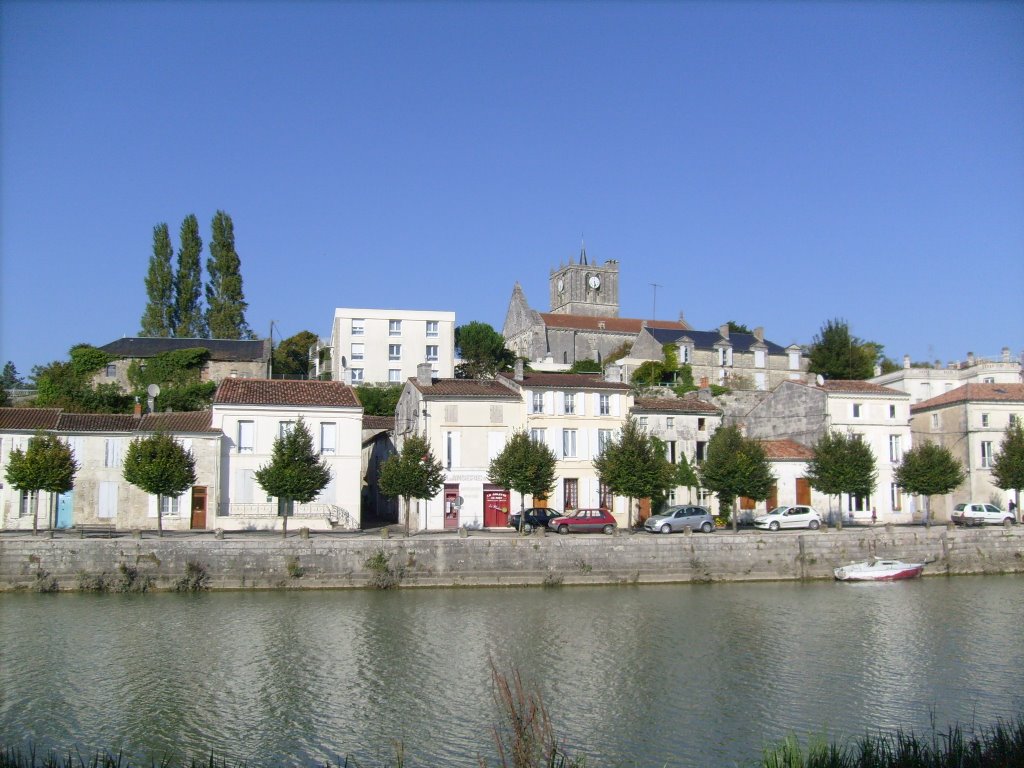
[724, 330]
[613, 373]
[138, 409]
[424, 375]
[906, 361]
[518, 369]
[1006, 354]
[759, 334]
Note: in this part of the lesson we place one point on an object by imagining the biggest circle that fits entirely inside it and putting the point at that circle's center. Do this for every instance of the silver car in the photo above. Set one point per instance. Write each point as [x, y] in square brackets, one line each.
[680, 518]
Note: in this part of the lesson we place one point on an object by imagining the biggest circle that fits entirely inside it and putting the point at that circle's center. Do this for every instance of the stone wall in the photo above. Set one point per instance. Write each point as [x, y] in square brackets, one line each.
[483, 559]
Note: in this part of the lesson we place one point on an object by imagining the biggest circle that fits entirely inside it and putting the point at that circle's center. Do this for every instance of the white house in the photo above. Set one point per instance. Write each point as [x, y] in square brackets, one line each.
[926, 383]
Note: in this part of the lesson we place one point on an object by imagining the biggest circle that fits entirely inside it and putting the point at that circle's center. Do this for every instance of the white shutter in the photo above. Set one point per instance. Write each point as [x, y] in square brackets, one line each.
[594, 444]
[327, 437]
[246, 431]
[614, 399]
[495, 443]
[456, 450]
[243, 486]
[581, 404]
[328, 494]
[107, 502]
[555, 441]
[559, 403]
[151, 506]
[581, 444]
[549, 403]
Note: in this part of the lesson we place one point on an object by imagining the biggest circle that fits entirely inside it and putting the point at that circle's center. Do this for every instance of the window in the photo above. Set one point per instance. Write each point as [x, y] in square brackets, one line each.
[394, 327]
[670, 422]
[107, 501]
[24, 503]
[569, 402]
[570, 491]
[857, 407]
[328, 430]
[246, 433]
[684, 353]
[431, 352]
[394, 351]
[395, 375]
[170, 505]
[895, 497]
[725, 356]
[642, 422]
[984, 419]
[449, 449]
[892, 411]
[935, 421]
[285, 428]
[604, 436]
[112, 452]
[357, 375]
[702, 424]
[604, 405]
[604, 497]
[759, 358]
[670, 451]
[989, 380]
[569, 443]
[1013, 419]
[539, 436]
[357, 327]
[358, 350]
[895, 452]
[702, 450]
[858, 503]
[986, 454]
[432, 328]
[111, 370]
[537, 402]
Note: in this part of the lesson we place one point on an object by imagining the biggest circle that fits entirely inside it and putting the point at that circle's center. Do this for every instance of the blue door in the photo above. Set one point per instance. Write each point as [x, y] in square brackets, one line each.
[64, 504]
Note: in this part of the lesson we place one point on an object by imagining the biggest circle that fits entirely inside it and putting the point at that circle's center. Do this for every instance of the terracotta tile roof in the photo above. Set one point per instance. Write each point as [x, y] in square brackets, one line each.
[780, 450]
[226, 350]
[97, 422]
[379, 422]
[675, 405]
[985, 393]
[610, 324]
[487, 389]
[285, 392]
[566, 381]
[184, 421]
[28, 418]
[858, 387]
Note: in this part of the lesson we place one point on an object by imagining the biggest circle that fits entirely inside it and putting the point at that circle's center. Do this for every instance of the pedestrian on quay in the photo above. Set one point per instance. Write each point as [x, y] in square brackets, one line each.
[874, 515]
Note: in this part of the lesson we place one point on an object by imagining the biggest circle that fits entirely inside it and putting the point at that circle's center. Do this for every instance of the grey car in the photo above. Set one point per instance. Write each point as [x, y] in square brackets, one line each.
[679, 518]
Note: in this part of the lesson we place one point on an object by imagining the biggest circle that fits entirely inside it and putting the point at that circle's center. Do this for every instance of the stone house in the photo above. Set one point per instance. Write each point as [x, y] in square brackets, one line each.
[100, 493]
[251, 414]
[228, 357]
[926, 383]
[971, 421]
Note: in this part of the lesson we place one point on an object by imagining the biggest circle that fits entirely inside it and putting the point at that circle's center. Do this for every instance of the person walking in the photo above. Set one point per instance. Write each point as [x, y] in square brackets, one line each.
[874, 515]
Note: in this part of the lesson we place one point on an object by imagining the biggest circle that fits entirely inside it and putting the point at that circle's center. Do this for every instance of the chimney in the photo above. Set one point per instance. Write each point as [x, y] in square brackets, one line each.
[613, 373]
[906, 361]
[424, 375]
[138, 409]
[518, 370]
[878, 370]
[682, 318]
[724, 330]
[759, 334]
[1006, 354]
[970, 359]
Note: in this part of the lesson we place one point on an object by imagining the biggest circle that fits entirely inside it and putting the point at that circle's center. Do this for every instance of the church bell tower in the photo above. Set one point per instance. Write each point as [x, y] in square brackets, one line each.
[585, 289]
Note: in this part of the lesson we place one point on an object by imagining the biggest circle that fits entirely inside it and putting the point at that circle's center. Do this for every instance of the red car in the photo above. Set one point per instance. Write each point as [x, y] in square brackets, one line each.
[584, 521]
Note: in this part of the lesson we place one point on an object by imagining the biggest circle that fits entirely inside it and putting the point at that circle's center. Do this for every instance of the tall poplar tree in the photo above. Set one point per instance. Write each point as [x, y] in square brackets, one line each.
[158, 319]
[225, 303]
[188, 283]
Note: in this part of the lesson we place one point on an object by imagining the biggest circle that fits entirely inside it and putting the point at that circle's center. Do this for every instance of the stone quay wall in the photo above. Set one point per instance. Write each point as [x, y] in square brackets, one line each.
[502, 559]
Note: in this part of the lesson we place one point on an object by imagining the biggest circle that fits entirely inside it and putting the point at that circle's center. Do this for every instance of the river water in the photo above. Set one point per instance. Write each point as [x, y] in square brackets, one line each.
[673, 675]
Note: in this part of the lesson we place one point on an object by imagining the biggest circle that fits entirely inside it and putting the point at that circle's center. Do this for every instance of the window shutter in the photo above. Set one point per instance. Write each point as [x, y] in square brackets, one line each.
[456, 450]
[595, 403]
[328, 494]
[559, 403]
[555, 441]
[107, 506]
[581, 443]
[549, 403]
[614, 399]
[581, 404]
[495, 443]
[594, 443]
[151, 508]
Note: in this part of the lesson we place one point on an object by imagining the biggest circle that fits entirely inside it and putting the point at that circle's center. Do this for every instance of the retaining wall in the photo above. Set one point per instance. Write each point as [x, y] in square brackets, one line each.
[483, 559]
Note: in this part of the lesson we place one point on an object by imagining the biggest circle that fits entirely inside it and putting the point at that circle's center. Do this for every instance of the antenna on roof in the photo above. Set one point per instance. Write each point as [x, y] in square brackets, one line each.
[654, 303]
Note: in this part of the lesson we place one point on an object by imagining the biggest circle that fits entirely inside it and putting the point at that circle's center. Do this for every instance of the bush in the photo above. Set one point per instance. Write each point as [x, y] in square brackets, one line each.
[196, 579]
[383, 576]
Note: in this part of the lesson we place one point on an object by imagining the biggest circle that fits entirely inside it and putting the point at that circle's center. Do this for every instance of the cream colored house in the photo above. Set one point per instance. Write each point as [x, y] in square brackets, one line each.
[101, 495]
[251, 414]
[971, 421]
[927, 383]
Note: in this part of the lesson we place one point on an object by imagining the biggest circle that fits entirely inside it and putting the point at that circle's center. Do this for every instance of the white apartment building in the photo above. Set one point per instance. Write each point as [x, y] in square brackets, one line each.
[384, 346]
[925, 383]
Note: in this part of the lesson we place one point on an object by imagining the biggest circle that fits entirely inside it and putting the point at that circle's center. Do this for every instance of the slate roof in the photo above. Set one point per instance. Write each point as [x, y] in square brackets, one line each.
[675, 405]
[740, 342]
[610, 324]
[565, 381]
[28, 418]
[288, 392]
[786, 450]
[227, 350]
[858, 387]
[487, 389]
[984, 393]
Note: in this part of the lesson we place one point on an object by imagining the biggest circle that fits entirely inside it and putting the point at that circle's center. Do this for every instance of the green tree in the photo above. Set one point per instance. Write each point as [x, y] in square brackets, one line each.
[178, 373]
[47, 464]
[68, 384]
[585, 366]
[648, 374]
[292, 355]
[524, 466]
[160, 465]
[482, 350]
[838, 354]
[1008, 468]
[412, 473]
[928, 470]
[295, 472]
[734, 467]
[158, 317]
[685, 475]
[225, 301]
[10, 378]
[633, 464]
[379, 399]
[735, 327]
[188, 283]
[842, 463]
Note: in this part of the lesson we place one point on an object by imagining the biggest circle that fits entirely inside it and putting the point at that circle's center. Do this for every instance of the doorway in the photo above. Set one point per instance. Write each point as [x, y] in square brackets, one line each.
[198, 520]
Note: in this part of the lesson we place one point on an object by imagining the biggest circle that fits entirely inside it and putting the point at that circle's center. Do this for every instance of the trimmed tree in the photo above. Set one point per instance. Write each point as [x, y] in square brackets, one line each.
[225, 301]
[412, 473]
[837, 354]
[295, 472]
[1008, 468]
[524, 466]
[842, 463]
[927, 470]
[47, 464]
[188, 283]
[158, 318]
[634, 465]
[734, 467]
[159, 465]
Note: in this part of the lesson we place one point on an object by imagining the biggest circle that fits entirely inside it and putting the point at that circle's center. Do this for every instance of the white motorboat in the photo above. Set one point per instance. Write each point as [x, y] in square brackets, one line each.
[879, 570]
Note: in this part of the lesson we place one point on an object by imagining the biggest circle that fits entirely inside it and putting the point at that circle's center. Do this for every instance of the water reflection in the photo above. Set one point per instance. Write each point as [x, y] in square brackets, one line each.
[682, 675]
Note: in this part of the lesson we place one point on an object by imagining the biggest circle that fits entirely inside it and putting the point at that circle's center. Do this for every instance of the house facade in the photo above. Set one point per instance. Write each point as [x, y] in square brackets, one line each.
[228, 357]
[926, 383]
[385, 346]
[970, 421]
[251, 414]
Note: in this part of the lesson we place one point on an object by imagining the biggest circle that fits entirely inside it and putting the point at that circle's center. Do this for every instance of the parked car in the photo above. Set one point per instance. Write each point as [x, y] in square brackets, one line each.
[974, 513]
[789, 517]
[584, 521]
[535, 517]
[679, 518]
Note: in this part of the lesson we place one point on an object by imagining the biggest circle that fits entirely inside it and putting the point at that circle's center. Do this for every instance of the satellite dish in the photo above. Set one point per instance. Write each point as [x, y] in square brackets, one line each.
[820, 379]
[153, 390]
[344, 363]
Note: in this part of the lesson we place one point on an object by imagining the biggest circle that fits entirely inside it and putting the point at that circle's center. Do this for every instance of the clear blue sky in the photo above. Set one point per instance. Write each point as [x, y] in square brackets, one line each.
[778, 164]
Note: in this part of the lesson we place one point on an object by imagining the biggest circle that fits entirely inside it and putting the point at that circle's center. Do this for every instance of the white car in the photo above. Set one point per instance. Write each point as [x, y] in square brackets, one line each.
[789, 517]
[974, 513]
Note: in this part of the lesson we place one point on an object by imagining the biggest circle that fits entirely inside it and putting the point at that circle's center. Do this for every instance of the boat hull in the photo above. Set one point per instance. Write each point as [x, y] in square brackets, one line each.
[883, 570]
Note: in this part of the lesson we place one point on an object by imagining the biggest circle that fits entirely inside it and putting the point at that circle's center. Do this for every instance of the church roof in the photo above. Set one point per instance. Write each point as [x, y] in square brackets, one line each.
[609, 324]
[740, 342]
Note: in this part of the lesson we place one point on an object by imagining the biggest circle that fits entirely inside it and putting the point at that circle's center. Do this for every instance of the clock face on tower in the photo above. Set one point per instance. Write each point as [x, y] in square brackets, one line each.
[594, 282]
